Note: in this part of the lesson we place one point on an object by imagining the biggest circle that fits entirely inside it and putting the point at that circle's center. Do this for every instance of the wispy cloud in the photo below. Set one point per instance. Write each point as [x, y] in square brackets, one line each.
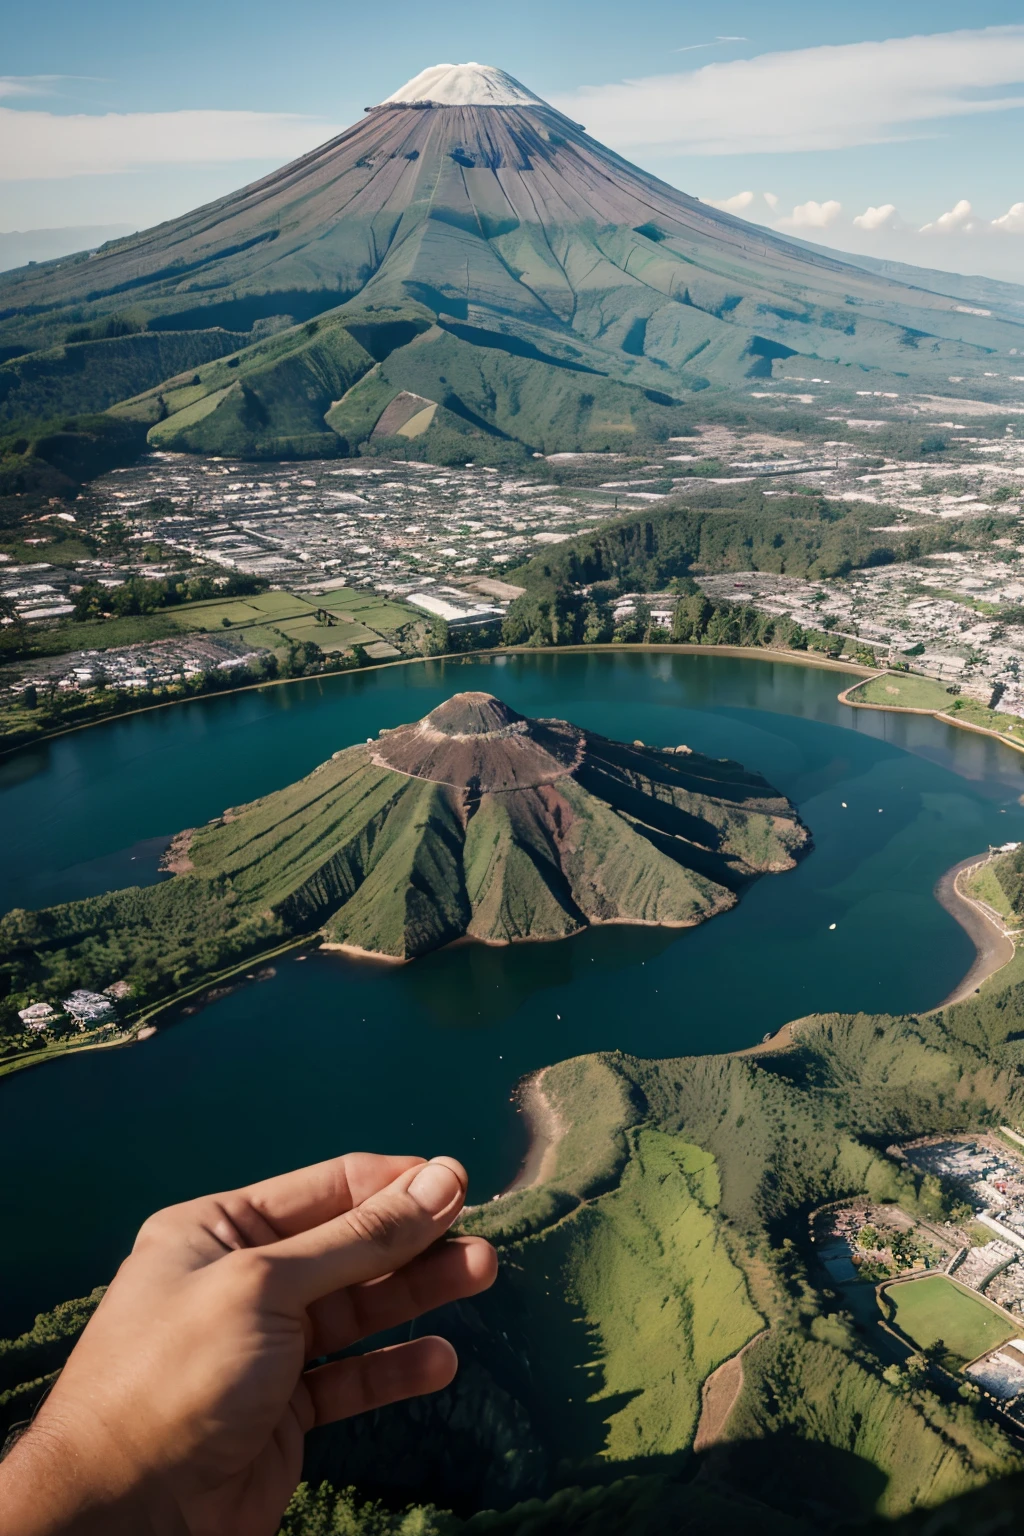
[811, 98]
[44, 145]
[32, 85]
[695, 47]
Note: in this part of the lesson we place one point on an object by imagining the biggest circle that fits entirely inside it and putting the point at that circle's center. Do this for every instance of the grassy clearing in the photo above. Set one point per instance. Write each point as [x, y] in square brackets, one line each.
[983, 884]
[898, 690]
[242, 610]
[935, 1308]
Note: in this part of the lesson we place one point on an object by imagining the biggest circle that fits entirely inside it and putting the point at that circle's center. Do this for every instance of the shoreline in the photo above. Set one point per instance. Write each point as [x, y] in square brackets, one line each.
[744, 652]
[994, 948]
[545, 1131]
[767, 653]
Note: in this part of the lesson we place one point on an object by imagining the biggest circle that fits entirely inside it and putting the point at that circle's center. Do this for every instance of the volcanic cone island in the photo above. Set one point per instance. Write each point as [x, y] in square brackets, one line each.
[478, 821]
[473, 821]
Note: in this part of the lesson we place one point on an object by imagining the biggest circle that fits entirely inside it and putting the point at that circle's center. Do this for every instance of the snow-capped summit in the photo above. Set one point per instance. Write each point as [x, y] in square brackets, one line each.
[464, 85]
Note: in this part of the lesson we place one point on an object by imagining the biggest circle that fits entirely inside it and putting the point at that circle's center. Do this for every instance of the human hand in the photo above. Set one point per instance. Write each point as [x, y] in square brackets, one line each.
[183, 1407]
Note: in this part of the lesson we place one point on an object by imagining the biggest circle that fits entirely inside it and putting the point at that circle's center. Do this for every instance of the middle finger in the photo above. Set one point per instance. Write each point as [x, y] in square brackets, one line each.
[453, 1269]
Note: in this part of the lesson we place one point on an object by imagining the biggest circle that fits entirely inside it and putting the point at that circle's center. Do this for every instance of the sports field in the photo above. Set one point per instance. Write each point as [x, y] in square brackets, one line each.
[935, 1307]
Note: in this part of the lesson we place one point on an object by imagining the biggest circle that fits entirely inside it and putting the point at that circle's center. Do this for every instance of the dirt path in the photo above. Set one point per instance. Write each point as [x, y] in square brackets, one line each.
[719, 1396]
[993, 942]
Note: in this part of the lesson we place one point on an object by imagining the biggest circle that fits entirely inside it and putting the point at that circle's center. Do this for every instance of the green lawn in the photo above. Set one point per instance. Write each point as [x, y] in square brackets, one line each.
[936, 1308]
[899, 690]
[334, 637]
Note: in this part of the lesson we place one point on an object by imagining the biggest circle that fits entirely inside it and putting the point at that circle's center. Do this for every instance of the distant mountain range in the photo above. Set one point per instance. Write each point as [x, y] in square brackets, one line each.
[18, 247]
[465, 261]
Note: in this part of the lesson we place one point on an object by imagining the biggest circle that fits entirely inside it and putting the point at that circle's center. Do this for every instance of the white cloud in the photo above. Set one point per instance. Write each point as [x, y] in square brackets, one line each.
[884, 217]
[735, 204]
[959, 220]
[44, 145]
[812, 215]
[771, 199]
[1012, 221]
[810, 98]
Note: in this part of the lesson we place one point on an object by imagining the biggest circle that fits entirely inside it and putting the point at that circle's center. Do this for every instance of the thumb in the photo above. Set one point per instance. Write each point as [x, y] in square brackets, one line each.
[384, 1233]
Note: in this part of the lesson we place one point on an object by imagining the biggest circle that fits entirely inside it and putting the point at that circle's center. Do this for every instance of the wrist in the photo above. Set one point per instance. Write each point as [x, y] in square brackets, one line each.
[54, 1483]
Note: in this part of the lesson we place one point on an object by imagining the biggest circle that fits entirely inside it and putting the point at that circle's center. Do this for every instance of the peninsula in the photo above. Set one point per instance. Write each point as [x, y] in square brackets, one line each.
[473, 821]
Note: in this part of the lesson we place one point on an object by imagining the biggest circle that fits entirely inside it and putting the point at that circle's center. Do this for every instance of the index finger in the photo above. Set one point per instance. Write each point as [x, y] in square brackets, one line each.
[307, 1197]
[270, 1211]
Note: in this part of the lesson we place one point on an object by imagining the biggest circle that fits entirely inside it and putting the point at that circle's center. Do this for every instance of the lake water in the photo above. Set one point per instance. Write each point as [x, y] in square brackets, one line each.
[334, 1054]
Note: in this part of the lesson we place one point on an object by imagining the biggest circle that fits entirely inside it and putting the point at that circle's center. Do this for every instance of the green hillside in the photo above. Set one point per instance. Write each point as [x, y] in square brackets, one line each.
[90, 375]
[726, 529]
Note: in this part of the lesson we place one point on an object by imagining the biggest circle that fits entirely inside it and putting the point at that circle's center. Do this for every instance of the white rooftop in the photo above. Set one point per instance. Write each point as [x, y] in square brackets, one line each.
[465, 85]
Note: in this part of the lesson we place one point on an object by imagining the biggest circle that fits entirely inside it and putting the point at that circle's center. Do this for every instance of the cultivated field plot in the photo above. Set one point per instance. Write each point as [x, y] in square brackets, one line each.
[367, 607]
[935, 1308]
[272, 619]
[334, 637]
[263, 608]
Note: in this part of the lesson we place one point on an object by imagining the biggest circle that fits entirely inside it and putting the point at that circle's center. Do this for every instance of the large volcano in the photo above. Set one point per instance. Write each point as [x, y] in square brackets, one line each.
[465, 258]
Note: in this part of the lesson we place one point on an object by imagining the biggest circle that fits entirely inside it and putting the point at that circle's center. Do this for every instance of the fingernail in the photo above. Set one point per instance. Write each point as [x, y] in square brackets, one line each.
[435, 1187]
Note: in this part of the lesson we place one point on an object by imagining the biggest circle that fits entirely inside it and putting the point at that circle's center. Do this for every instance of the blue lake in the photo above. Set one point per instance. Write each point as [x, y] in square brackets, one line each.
[333, 1054]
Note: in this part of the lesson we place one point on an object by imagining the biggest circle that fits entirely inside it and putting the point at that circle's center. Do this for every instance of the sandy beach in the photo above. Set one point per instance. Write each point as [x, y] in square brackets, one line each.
[546, 1129]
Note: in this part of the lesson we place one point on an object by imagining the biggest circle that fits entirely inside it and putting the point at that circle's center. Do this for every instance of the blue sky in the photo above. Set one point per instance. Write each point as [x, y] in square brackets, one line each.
[113, 113]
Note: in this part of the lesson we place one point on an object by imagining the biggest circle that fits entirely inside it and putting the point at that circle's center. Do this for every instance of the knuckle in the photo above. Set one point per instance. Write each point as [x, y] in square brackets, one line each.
[376, 1223]
[158, 1227]
[252, 1271]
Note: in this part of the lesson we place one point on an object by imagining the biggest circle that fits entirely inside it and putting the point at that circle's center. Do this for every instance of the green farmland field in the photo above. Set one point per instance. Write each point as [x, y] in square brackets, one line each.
[936, 1308]
[274, 618]
[367, 607]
